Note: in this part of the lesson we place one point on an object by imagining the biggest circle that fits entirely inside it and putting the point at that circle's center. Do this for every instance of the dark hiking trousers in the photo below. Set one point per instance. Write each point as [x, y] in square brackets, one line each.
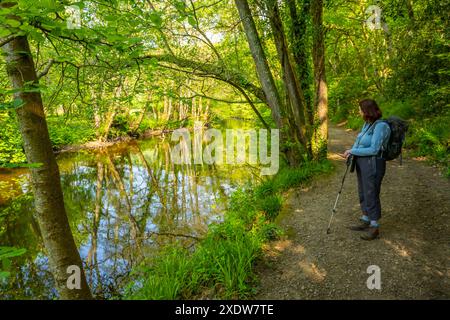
[370, 172]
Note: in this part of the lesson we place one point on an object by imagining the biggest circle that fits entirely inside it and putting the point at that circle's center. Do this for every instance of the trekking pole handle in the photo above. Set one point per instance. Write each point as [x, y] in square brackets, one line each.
[349, 160]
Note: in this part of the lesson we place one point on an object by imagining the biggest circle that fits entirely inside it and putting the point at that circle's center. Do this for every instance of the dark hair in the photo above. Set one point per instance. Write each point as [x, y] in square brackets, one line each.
[370, 109]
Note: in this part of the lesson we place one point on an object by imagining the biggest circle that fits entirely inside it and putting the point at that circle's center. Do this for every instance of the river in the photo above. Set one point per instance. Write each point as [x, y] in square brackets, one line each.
[123, 203]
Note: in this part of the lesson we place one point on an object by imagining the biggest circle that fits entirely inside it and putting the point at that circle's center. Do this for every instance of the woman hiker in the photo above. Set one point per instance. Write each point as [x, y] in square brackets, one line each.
[370, 166]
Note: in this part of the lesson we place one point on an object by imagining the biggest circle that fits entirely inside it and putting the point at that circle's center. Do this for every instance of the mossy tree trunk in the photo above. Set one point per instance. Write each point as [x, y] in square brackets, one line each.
[297, 104]
[299, 13]
[320, 138]
[288, 118]
[45, 179]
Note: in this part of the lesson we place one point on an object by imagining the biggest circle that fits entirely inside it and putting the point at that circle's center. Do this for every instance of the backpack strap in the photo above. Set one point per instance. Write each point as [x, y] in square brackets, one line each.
[367, 130]
[372, 126]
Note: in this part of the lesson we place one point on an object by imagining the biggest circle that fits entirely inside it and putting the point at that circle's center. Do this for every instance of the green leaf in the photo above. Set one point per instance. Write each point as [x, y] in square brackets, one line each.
[17, 103]
[180, 6]
[4, 275]
[192, 21]
[4, 32]
[21, 165]
[35, 35]
[5, 11]
[153, 62]
[111, 17]
[6, 264]
[13, 23]
[10, 252]
[156, 19]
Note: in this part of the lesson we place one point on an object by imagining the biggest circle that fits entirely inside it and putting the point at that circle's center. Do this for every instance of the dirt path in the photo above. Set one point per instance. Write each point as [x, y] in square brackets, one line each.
[413, 251]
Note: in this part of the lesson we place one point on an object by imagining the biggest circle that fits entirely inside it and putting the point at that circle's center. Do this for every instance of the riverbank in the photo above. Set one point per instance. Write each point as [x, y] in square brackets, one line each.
[222, 264]
[97, 144]
[70, 135]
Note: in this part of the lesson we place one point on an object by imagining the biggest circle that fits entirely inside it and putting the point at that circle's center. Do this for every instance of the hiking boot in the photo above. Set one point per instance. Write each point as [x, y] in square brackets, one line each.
[372, 234]
[362, 226]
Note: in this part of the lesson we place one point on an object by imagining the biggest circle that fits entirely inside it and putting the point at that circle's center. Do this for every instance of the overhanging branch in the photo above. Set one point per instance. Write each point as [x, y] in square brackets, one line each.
[215, 71]
[46, 69]
[6, 40]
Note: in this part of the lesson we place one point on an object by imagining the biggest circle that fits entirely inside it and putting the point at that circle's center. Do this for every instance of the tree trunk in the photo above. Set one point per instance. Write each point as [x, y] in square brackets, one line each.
[297, 101]
[265, 77]
[115, 109]
[166, 103]
[135, 127]
[299, 41]
[169, 111]
[45, 179]
[259, 57]
[320, 82]
[96, 94]
[409, 6]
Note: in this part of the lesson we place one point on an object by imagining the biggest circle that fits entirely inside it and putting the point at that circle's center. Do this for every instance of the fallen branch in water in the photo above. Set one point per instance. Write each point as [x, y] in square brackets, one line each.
[175, 235]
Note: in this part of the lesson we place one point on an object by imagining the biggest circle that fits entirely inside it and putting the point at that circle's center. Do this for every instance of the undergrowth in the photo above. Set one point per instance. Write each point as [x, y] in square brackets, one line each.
[223, 262]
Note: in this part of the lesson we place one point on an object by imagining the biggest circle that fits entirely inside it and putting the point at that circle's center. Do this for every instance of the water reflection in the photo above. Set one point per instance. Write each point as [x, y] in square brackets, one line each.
[123, 202]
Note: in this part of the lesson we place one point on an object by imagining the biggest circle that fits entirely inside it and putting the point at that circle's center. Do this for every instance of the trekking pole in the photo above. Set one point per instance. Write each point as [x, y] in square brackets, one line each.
[333, 211]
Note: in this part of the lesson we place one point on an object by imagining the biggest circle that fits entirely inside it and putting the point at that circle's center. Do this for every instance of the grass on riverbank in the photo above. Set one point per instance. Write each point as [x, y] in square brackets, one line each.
[221, 266]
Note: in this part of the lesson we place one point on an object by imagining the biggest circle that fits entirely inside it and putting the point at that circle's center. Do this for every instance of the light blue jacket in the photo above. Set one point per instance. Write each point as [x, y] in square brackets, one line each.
[373, 140]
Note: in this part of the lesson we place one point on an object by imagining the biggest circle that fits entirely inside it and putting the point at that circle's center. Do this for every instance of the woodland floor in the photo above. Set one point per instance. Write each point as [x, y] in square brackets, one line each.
[413, 251]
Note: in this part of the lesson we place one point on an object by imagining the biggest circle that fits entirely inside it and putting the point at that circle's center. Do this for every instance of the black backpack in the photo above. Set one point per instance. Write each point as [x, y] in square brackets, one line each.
[399, 127]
